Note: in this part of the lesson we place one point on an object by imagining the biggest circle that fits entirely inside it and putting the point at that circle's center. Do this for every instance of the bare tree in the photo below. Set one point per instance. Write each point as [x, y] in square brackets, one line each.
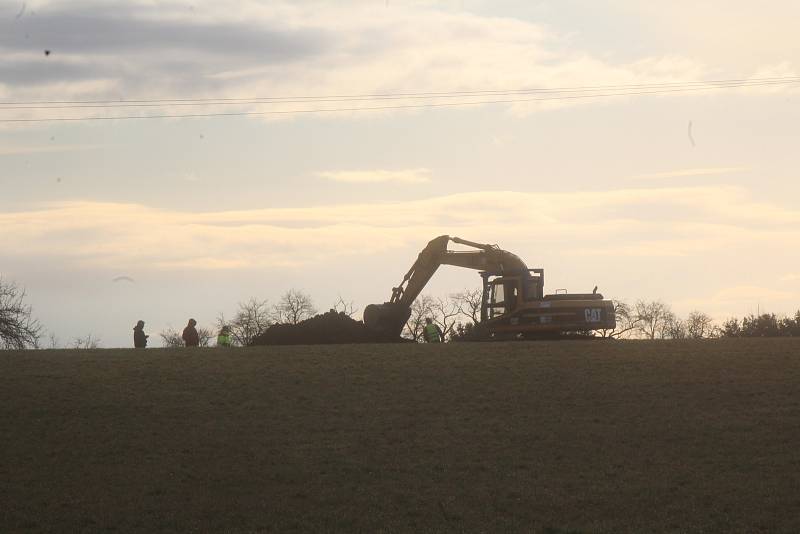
[52, 341]
[421, 308]
[673, 327]
[445, 314]
[18, 328]
[86, 342]
[170, 338]
[342, 306]
[627, 322]
[699, 325]
[652, 318]
[295, 306]
[731, 328]
[469, 302]
[205, 336]
[251, 320]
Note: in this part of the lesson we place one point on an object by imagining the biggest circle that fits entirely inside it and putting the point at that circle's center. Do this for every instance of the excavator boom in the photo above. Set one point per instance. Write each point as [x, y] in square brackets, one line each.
[487, 258]
[391, 316]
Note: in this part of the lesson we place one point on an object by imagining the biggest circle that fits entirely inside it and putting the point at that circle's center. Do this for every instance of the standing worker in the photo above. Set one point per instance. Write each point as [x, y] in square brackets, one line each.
[190, 336]
[224, 337]
[432, 332]
[139, 337]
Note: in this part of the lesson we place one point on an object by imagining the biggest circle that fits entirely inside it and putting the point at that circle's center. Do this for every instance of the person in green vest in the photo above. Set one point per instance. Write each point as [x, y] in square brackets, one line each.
[432, 332]
[224, 337]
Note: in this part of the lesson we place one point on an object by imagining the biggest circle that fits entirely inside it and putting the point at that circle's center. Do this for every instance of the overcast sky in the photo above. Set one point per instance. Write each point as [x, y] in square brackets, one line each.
[202, 213]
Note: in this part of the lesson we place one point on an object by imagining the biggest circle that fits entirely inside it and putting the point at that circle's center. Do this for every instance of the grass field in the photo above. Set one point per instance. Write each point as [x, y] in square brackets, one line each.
[524, 437]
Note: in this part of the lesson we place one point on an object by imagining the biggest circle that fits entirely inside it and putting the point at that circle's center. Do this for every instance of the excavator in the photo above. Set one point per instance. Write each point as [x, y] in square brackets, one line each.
[513, 305]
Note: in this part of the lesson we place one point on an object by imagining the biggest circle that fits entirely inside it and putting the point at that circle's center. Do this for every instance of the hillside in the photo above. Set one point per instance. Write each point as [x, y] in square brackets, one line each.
[549, 436]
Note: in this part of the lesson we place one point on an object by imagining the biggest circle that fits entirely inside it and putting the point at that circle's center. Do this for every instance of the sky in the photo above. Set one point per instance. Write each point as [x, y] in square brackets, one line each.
[686, 197]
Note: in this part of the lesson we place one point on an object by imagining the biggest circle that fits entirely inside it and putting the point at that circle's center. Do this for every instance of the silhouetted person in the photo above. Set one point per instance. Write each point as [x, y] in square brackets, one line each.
[432, 332]
[224, 337]
[139, 337]
[190, 336]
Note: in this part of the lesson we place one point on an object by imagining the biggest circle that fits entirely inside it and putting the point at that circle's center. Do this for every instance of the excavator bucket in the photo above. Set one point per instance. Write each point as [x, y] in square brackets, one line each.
[388, 318]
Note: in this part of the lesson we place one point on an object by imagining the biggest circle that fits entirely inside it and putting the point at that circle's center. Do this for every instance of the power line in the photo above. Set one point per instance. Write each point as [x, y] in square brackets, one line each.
[387, 107]
[409, 96]
[442, 94]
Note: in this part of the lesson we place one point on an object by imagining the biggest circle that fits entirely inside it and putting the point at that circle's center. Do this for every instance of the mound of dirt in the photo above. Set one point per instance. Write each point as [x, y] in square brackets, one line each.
[323, 329]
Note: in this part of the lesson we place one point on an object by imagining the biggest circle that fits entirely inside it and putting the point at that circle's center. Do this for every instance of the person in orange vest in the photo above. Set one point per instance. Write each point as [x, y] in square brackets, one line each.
[432, 332]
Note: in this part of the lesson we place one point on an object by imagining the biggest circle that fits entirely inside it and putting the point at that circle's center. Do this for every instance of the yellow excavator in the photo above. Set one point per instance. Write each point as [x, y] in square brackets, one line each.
[513, 306]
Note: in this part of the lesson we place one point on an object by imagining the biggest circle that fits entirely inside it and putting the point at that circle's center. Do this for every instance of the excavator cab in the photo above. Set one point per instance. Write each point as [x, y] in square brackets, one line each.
[496, 304]
[503, 294]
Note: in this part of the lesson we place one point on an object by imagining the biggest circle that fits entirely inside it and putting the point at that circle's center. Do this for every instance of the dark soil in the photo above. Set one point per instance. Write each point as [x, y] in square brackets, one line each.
[327, 328]
[544, 437]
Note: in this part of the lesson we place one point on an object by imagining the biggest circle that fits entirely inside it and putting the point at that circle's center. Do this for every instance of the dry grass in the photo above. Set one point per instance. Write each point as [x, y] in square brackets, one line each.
[549, 437]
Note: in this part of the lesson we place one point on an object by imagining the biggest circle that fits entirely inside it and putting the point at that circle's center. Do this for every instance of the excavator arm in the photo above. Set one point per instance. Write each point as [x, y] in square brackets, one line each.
[391, 316]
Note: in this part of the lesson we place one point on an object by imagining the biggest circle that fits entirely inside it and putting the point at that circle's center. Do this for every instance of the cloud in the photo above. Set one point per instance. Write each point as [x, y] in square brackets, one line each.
[408, 176]
[739, 300]
[736, 35]
[748, 292]
[141, 50]
[622, 224]
[45, 149]
[687, 173]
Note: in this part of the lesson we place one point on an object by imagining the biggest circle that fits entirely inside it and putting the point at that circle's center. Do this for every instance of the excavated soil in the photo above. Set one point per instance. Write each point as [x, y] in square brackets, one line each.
[323, 329]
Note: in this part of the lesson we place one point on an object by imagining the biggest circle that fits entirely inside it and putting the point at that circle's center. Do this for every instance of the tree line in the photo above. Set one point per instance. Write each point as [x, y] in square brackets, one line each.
[455, 314]
[254, 316]
[19, 329]
[458, 314]
[655, 320]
